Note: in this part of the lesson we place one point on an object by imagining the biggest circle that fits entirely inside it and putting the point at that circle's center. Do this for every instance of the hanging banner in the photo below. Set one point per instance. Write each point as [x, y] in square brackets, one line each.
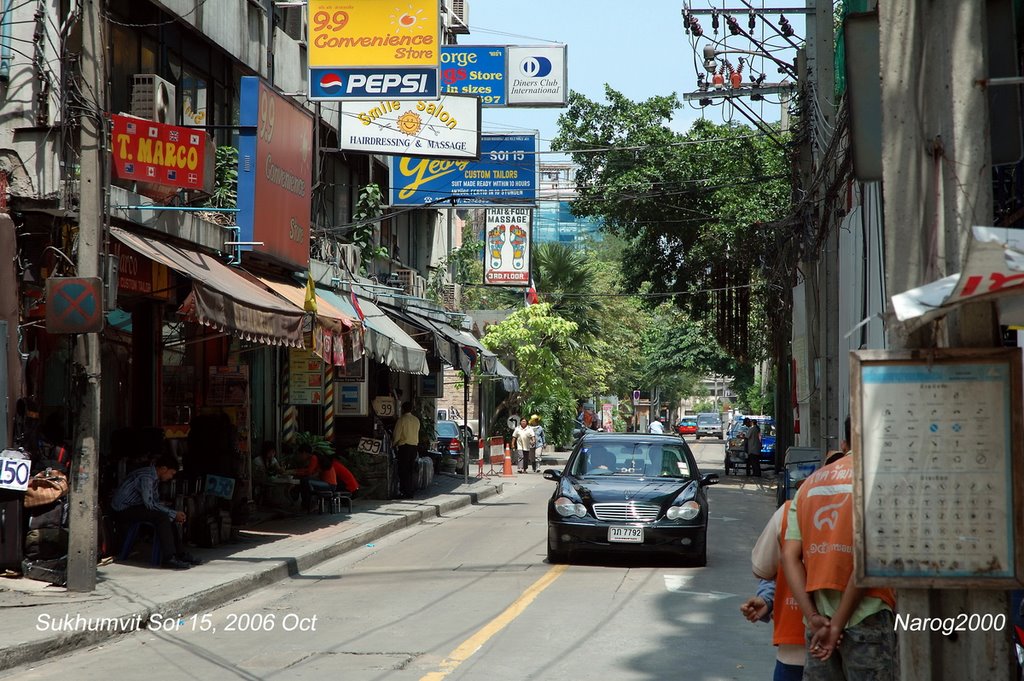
[275, 171]
[477, 70]
[157, 153]
[505, 173]
[448, 127]
[507, 259]
[538, 75]
[373, 49]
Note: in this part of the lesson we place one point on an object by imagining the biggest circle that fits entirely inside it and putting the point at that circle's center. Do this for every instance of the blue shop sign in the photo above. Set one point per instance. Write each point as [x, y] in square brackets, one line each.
[372, 83]
[477, 70]
[505, 173]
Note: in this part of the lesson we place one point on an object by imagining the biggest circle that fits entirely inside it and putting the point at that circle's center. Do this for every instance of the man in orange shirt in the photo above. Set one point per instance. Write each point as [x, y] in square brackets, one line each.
[850, 630]
[774, 599]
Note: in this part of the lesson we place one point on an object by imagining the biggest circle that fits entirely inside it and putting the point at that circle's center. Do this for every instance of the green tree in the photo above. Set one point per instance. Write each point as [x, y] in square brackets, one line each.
[551, 367]
[565, 278]
[692, 207]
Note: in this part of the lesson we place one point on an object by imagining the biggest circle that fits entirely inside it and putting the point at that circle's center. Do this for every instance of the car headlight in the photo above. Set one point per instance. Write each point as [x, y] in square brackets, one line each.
[567, 508]
[688, 510]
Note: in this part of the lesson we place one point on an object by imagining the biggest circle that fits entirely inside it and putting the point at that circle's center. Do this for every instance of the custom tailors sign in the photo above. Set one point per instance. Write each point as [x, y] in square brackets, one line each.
[374, 49]
[505, 173]
[275, 170]
[158, 153]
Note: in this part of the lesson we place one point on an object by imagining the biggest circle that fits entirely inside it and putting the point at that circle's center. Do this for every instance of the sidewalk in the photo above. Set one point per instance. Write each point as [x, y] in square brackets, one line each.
[39, 619]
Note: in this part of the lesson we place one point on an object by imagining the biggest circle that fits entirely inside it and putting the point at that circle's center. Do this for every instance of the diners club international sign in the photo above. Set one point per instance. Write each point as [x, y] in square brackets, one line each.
[157, 153]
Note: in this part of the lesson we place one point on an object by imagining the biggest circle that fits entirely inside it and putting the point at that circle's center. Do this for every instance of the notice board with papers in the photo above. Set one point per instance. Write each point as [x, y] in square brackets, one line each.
[936, 439]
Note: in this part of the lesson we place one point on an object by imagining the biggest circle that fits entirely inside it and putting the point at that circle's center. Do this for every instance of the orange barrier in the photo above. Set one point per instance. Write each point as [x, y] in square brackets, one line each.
[507, 471]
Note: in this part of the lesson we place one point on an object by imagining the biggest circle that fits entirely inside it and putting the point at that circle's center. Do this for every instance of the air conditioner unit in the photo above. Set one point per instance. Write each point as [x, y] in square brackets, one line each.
[350, 258]
[420, 287]
[451, 296]
[153, 98]
[406, 280]
[458, 21]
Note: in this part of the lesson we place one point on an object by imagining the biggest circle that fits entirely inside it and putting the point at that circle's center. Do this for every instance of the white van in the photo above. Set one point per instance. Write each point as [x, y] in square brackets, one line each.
[709, 424]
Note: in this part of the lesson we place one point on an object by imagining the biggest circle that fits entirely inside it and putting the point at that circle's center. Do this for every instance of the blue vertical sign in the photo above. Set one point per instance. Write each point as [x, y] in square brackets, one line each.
[477, 70]
[506, 173]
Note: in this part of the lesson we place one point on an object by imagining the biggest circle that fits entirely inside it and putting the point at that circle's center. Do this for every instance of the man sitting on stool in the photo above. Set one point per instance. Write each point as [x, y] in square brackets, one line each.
[137, 499]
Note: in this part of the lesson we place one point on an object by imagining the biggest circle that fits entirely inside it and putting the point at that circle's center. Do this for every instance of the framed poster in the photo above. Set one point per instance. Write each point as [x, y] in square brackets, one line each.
[937, 483]
[350, 399]
[431, 385]
[305, 377]
[352, 371]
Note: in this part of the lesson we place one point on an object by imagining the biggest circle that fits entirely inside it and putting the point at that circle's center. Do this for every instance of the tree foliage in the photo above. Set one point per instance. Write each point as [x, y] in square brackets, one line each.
[552, 370]
[692, 207]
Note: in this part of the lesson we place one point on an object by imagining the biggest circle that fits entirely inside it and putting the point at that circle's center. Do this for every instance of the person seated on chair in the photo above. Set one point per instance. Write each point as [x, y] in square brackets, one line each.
[137, 499]
[266, 465]
[312, 475]
[344, 477]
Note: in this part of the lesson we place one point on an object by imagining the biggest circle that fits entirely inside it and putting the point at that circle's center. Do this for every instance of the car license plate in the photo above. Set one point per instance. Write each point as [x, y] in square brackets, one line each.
[628, 535]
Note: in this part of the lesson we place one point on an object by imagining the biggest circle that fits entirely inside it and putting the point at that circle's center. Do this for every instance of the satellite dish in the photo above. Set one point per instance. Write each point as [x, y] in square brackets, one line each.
[163, 103]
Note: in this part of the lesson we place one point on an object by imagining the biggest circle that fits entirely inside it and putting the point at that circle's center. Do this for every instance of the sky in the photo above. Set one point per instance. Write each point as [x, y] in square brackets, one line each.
[639, 48]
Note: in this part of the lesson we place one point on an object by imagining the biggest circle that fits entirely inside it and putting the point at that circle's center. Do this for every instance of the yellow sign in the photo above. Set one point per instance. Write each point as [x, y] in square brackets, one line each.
[374, 33]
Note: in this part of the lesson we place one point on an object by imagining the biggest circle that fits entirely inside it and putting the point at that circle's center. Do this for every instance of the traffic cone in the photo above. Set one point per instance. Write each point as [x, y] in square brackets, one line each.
[507, 470]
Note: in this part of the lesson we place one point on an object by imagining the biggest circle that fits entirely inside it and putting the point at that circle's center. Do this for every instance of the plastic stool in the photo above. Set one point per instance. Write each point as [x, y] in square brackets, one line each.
[132, 534]
[339, 498]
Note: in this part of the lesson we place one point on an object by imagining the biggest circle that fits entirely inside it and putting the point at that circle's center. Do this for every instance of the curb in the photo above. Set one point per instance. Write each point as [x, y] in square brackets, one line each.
[36, 651]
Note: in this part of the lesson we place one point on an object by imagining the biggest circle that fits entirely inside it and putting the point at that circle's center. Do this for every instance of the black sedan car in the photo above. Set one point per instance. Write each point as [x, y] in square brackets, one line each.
[629, 494]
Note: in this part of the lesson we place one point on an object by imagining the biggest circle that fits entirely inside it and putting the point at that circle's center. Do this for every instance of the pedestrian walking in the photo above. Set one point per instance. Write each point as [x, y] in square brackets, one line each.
[849, 630]
[656, 426]
[525, 440]
[406, 441]
[539, 438]
[752, 446]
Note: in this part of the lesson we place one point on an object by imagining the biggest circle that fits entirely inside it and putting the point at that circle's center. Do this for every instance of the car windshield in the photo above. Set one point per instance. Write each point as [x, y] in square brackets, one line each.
[708, 420]
[688, 422]
[650, 459]
[446, 429]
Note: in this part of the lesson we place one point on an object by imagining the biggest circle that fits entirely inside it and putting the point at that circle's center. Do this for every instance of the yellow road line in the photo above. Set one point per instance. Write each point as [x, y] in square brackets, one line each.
[477, 640]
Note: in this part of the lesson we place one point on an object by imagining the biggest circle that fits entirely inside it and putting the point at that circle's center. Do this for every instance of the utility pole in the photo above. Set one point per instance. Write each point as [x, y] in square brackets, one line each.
[85, 477]
[930, 205]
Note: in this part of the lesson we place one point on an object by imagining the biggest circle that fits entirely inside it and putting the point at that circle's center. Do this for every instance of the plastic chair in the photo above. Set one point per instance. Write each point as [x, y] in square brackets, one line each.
[132, 534]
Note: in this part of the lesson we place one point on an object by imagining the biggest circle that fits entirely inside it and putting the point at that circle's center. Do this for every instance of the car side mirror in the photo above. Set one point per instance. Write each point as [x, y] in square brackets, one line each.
[552, 475]
[709, 479]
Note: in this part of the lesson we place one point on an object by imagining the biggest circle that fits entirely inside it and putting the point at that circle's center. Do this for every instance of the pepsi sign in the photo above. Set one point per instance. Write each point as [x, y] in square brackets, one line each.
[372, 84]
[538, 75]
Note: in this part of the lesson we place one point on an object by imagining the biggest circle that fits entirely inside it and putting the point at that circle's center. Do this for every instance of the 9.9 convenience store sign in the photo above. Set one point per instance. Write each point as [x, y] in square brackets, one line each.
[374, 48]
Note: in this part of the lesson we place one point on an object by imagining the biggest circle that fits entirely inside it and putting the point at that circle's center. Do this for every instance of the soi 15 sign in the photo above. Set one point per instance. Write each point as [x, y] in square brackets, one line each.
[157, 153]
[505, 173]
[275, 170]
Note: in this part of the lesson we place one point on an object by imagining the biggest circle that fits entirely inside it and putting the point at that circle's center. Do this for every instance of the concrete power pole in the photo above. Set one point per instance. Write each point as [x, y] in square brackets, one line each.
[85, 477]
[930, 205]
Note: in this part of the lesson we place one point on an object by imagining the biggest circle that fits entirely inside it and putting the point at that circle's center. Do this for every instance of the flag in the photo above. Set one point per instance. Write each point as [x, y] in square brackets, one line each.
[309, 304]
[531, 296]
[355, 304]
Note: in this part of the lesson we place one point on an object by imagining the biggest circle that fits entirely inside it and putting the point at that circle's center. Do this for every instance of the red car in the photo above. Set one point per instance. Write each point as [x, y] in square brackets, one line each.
[687, 425]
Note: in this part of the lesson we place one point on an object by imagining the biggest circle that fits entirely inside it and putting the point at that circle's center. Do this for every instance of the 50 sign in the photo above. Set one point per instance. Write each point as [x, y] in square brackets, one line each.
[14, 473]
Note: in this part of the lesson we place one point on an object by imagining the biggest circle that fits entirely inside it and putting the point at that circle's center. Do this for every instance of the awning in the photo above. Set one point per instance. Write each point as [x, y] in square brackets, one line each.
[993, 270]
[221, 298]
[384, 340]
[509, 381]
[328, 314]
[455, 347]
